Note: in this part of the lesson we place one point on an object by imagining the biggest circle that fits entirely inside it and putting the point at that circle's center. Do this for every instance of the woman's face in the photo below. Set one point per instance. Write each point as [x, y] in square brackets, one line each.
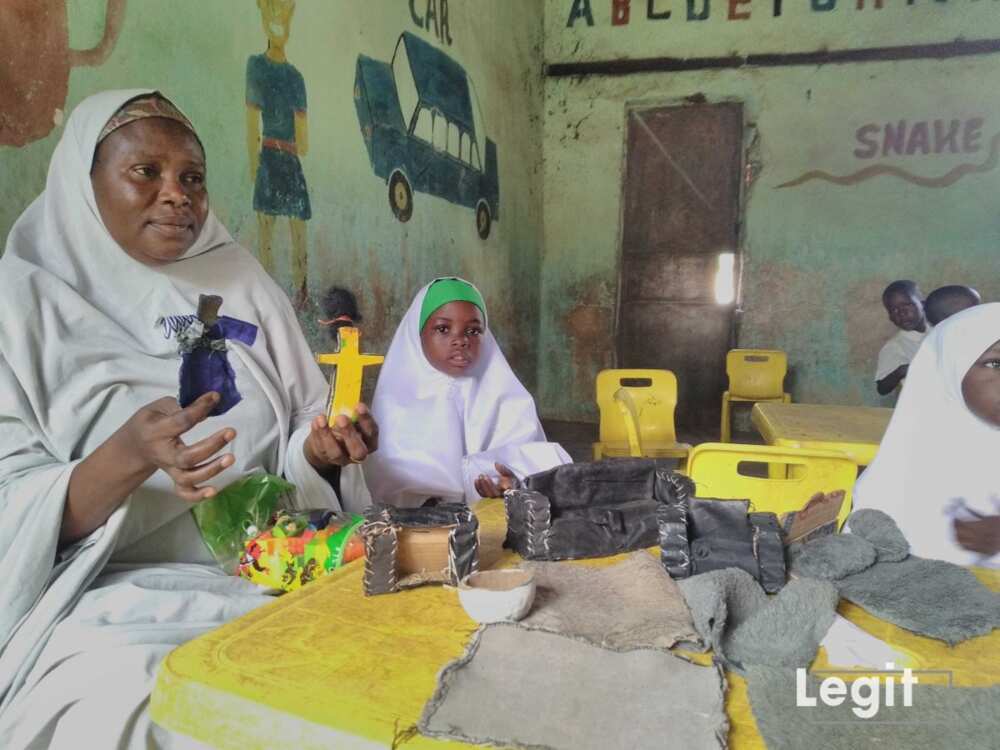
[981, 386]
[149, 181]
[451, 337]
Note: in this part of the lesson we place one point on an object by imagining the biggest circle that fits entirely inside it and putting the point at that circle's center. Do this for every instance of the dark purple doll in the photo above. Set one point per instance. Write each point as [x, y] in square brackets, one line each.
[204, 363]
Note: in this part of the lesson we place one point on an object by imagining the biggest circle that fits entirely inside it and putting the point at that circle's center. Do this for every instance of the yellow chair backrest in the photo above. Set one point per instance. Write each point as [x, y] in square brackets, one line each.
[715, 470]
[650, 395]
[756, 373]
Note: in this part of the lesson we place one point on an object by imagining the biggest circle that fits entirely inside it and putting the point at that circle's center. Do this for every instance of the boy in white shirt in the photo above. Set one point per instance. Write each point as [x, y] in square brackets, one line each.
[902, 300]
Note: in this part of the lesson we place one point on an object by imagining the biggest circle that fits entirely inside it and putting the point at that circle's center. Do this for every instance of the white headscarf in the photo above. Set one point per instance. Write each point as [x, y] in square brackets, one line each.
[935, 449]
[80, 353]
[441, 432]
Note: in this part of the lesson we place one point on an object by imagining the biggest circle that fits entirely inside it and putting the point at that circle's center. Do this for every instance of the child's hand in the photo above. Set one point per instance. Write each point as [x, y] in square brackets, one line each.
[981, 535]
[496, 486]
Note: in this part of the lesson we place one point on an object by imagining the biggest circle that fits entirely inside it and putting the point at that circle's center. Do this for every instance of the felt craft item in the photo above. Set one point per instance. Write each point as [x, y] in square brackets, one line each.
[590, 509]
[407, 547]
[530, 689]
[732, 613]
[939, 717]
[910, 593]
[632, 604]
[202, 345]
[699, 535]
[345, 385]
[882, 532]
[817, 517]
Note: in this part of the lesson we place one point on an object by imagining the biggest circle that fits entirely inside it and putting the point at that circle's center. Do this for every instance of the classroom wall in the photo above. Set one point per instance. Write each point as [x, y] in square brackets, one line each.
[816, 252]
[196, 52]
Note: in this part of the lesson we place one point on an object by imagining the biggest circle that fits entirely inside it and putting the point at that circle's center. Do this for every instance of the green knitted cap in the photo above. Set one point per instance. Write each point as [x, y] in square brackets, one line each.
[443, 291]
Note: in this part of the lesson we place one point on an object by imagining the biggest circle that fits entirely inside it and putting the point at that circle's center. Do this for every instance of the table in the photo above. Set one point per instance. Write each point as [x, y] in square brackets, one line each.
[327, 667]
[854, 430]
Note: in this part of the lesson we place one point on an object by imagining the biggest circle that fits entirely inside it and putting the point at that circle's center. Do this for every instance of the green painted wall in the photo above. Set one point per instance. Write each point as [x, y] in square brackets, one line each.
[816, 256]
[195, 51]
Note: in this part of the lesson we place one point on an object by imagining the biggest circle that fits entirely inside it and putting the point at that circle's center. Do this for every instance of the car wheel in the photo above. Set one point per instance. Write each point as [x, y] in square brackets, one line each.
[483, 220]
[400, 196]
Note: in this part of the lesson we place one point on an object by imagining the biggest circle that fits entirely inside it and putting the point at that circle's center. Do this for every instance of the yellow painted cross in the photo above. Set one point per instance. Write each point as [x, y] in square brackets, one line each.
[345, 385]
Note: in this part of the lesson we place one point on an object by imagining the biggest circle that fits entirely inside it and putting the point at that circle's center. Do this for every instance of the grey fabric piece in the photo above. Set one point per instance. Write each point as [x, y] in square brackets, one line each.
[633, 604]
[532, 689]
[929, 597]
[883, 533]
[834, 556]
[939, 717]
[719, 601]
[744, 627]
[787, 631]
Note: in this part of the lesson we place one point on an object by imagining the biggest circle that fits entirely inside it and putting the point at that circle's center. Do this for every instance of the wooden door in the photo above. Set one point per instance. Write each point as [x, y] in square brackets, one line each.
[681, 212]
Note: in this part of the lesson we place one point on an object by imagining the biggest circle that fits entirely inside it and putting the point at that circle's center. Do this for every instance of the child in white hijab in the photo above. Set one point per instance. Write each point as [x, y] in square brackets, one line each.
[458, 414]
[937, 472]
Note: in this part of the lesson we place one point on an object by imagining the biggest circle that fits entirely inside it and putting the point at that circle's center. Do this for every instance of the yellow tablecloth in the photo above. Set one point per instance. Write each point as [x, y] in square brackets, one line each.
[326, 666]
[854, 430]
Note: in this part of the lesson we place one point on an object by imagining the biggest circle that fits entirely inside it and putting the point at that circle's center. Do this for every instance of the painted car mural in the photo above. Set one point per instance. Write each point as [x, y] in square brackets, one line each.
[416, 116]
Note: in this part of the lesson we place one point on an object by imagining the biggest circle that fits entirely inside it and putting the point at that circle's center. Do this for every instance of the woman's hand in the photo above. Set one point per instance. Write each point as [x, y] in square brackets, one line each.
[981, 535]
[496, 486]
[149, 440]
[153, 435]
[342, 442]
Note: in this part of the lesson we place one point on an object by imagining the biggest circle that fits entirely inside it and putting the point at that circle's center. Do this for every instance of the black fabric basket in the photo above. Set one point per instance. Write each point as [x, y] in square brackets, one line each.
[590, 509]
[698, 535]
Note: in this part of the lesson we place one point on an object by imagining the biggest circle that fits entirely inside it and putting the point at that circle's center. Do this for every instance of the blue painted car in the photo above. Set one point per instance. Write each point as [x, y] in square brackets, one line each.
[417, 120]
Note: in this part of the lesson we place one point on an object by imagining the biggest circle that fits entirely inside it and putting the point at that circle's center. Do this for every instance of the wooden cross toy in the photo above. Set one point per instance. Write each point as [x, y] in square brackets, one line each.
[345, 384]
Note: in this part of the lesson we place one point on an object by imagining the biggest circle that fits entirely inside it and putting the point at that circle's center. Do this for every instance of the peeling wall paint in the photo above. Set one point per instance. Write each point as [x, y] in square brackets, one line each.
[815, 257]
[196, 53]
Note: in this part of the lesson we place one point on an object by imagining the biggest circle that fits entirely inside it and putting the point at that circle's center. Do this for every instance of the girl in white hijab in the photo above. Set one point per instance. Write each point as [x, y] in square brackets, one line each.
[458, 414]
[104, 569]
[937, 472]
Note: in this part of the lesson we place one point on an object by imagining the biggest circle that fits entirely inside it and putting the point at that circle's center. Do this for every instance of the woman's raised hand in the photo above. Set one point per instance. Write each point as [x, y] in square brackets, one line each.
[153, 436]
[342, 442]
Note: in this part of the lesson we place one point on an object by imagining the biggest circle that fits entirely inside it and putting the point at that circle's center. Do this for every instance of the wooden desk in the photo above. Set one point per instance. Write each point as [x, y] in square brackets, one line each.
[854, 430]
[326, 667]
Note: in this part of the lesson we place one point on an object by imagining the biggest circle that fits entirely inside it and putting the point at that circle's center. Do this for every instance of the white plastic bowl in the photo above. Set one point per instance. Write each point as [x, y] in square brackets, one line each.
[497, 595]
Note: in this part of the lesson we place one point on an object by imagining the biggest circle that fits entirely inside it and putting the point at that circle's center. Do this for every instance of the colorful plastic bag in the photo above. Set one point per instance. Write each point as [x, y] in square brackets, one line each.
[301, 546]
[238, 513]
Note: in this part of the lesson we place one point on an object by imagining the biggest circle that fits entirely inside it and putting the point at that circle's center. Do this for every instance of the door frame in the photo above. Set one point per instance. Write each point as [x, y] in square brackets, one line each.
[748, 168]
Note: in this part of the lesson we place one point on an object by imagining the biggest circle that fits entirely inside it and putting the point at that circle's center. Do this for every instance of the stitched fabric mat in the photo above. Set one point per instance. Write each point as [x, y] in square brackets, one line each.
[532, 689]
[633, 604]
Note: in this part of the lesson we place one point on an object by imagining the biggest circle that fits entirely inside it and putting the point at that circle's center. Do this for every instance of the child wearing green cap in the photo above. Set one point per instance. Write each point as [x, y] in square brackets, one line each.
[463, 425]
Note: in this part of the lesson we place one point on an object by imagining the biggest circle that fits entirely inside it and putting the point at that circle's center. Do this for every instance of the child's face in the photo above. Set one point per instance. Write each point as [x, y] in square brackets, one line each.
[981, 386]
[906, 311]
[451, 337]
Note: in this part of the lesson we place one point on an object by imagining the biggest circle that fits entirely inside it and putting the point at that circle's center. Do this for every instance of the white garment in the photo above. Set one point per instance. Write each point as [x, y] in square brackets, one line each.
[899, 350]
[441, 432]
[79, 354]
[935, 449]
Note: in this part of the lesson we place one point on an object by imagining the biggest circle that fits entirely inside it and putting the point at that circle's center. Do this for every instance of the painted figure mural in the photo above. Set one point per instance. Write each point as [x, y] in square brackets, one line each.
[35, 60]
[416, 116]
[277, 135]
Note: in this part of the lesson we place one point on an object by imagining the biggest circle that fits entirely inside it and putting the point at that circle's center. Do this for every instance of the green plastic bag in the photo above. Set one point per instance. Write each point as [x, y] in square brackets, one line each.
[238, 513]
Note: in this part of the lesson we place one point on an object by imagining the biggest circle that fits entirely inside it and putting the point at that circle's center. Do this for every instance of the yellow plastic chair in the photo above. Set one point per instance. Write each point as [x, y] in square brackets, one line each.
[754, 375]
[714, 467]
[637, 415]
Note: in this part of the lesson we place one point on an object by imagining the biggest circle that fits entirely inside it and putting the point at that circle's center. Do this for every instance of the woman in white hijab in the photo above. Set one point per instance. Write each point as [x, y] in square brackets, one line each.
[459, 415]
[937, 472]
[104, 569]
